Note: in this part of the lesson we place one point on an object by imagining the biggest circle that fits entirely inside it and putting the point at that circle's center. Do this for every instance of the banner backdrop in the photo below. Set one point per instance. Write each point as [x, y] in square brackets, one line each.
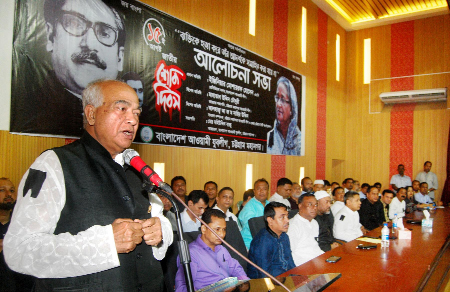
[196, 90]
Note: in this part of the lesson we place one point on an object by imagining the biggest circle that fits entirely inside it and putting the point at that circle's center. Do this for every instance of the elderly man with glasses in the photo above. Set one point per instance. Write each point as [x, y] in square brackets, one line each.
[86, 39]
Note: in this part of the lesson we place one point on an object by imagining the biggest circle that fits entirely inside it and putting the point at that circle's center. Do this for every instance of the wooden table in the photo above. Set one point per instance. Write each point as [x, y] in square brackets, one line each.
[403, 266]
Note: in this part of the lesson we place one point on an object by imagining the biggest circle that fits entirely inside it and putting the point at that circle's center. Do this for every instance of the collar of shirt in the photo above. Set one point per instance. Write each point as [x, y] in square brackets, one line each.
[203, 245]
[272, 233]
[186, 218]
[119, 159]
[304, 219]
[227, 213]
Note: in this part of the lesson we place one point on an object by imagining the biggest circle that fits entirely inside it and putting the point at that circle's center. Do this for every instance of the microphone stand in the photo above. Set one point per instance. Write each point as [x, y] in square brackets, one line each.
[169, 195]
[183, 248]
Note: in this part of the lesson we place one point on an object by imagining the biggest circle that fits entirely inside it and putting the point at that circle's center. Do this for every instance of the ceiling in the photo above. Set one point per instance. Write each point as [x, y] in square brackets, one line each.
[359, 14]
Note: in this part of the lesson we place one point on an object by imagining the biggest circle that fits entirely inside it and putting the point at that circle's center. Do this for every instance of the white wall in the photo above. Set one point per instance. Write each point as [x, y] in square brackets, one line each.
[6, 35]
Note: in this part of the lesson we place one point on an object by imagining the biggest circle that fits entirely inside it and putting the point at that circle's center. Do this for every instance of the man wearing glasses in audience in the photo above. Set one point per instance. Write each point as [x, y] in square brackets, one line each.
[86, 39]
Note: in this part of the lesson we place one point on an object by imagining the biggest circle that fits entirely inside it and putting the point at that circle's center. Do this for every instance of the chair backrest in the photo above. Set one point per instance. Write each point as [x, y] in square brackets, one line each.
[256, 224]
[234, 238]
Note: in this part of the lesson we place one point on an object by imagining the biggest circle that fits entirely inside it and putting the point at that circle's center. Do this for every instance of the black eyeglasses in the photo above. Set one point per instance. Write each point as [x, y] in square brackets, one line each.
[77, 25]
[283, 101]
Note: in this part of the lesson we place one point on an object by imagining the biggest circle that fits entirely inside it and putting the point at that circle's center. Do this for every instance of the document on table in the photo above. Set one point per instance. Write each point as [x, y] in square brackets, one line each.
[369, 239]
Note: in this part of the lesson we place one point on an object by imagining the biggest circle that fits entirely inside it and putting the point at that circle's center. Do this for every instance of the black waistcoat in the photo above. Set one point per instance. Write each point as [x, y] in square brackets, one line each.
[98, 191]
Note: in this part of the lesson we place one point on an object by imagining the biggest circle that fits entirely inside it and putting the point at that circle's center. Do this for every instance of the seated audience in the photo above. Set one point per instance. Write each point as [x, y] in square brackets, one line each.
[363, 191]
[378, 186]
[318, 185]
[386, 199]
[270, 249]
[307, 185]
[371, 213]
[254, 208]
[338, 194]
[334, 185]
[210, 188]
[284, 190]
[178, 185]
[416, 186]
[303, 231]
[210, 261]
[347, 184]
[296, 193]
[224, 202]
[197, 202]
[423, 199]
[356, 186]
[325, 220]
[398, 204]
[326, 186]
[422, 196]
[346, 221]
[248, 195]
[409, 200]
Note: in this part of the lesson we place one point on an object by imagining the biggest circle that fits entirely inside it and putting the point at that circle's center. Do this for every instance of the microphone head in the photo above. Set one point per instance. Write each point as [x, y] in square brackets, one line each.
[129, 154]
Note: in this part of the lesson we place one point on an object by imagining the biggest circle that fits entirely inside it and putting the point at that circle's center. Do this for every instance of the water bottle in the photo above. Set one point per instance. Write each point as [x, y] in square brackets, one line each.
[394, 223]
[385, 236]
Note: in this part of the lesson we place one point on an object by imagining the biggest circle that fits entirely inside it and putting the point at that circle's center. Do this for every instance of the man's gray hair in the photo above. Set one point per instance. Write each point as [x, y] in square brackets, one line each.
[93, 94]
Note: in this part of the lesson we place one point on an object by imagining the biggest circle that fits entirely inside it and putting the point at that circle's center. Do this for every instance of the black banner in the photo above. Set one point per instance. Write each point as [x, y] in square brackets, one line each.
[196, 90]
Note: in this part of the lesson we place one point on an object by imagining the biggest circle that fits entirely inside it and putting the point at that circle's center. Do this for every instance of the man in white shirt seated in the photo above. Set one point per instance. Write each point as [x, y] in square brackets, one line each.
[398, 204]
[346, 221]
[223, 203]
[338, 195]
[400, 180]
[284, 190]
[422, 197]
[197, 202]
[304, 231]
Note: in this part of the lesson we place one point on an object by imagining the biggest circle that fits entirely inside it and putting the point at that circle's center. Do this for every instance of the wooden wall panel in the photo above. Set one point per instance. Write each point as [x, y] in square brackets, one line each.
[309, 70]
[336, 95]
[367, 135]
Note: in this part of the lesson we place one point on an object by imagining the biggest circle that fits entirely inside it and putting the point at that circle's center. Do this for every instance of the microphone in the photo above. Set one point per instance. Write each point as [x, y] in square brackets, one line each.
[131, 157]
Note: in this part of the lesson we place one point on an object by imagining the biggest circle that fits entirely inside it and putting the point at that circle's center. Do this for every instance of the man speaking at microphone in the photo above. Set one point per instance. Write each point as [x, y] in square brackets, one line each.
[81, 215]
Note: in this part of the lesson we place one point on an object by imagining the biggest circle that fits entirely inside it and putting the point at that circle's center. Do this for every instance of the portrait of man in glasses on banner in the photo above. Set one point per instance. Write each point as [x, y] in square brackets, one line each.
[285, 137]
[86, 40]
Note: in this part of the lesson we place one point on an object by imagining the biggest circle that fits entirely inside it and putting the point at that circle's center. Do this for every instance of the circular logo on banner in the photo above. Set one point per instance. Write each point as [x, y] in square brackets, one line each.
[146, 134]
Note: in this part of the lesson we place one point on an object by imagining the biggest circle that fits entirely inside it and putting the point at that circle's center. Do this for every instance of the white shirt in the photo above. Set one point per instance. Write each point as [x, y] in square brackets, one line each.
[188, 224]
[228, 214]
[30, 247]
[346, 225]
[401, 181]
[397, 207]
[278, 198]
[337, 206]
[303, 236]
[423, 199]
[346, 190]
[431, 179]
[362, 195]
